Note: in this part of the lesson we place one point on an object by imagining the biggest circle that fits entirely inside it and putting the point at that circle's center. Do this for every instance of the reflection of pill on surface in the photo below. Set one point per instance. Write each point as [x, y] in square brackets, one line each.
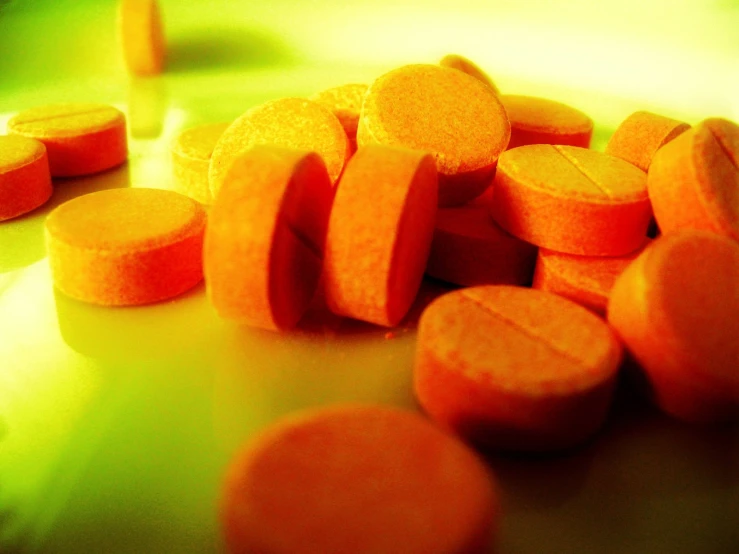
[469, 248]
[537, 120]
[640, 135]
[191, 152]
[515, 368]
[571, 199]
[379, 233]
[693, 181]
[141, 36]
[80, 138]
[675, 308]
[289, 122]
[143, 332]
[587, 280]
[358, 478]
[345, 101]
[126, 246]
[147, 107]
[25, 183]
[455, 61]
[266, 232]
[444, 112]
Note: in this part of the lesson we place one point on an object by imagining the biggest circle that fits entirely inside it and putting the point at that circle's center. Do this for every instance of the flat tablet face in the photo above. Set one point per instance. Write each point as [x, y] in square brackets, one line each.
[66, 119]
[17, 151]
[573, 172]
[125, 219]
[527, 341]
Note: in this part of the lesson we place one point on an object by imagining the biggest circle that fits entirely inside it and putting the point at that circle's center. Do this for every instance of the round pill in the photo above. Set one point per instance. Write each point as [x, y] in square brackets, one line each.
[693, 180]
[266, 234]
[25, 182]
[379, 233]
[141, 36]
[455, 61]
[362, 479]
[126, 246]
[345, 101]
[289, 122]
[587, 280]
[640, 135]
[191, 153]
[537, 120]
[442, 111]
[675, 309]
[571, 200]
[80, 138]
[515, 368]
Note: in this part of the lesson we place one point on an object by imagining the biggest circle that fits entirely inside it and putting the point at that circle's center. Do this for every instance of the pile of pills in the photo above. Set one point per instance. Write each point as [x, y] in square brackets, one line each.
[356, 194]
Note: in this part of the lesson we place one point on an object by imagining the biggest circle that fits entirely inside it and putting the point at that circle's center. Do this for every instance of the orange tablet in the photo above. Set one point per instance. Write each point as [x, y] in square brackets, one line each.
[191, 152]
[80, 138]
[379, 233]
[345, 101]
[359, 479]
[141, 36]
[265, 238]
[537, 120]
[694, 180]
[128, 246]
[514, 368]
[587, 280]
[288, 122]
[675, 308]
[25, 182]
[469, 248]
[571, 200]
[455, 61]
[442, 111]
[640, 135]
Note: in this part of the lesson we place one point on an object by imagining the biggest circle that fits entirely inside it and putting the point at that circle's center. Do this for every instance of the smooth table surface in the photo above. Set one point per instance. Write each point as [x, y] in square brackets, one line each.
[116, 424]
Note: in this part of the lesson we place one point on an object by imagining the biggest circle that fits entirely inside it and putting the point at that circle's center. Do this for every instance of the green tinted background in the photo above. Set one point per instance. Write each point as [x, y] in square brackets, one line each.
[116, 424]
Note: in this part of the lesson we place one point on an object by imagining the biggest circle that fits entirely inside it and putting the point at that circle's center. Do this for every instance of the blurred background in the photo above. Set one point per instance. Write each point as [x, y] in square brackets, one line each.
[678, 55]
